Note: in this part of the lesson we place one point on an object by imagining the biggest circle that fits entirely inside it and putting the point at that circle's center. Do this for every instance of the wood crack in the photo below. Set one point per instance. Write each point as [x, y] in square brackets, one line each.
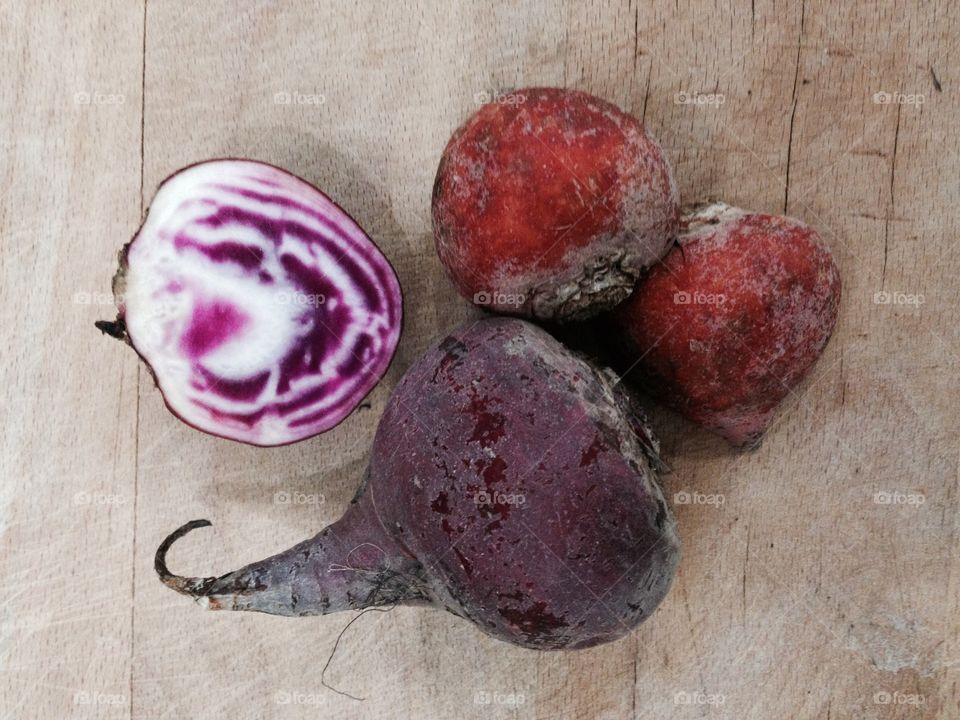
[743, 588]
[891, 208]
[793, 111]
[136, 419]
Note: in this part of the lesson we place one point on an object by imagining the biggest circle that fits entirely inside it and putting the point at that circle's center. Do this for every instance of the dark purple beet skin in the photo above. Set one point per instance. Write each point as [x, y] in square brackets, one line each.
[510, 482]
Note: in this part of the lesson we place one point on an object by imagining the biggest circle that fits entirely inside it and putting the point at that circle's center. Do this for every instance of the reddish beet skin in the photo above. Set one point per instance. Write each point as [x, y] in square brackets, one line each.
[732, 319]
[549, 202]
[510, 483]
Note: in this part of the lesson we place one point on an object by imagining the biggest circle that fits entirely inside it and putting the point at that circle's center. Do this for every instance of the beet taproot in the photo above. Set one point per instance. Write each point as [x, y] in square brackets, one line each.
[510, 483]
[548, 203]
[263, 310]
[733, 318]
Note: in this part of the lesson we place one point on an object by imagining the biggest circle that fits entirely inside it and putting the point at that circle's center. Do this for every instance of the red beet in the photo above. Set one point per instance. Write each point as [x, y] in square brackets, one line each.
[548, 203]
[263, 310]
[510, 483]
[733, 318]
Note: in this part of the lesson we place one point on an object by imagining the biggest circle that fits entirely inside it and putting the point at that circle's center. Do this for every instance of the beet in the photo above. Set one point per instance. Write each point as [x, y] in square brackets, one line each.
[510, 482]
[732, 319]
[263, 310]
[549, 203]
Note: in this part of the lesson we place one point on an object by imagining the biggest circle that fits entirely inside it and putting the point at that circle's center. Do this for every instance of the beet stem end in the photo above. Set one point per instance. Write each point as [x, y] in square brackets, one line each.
[114, 328]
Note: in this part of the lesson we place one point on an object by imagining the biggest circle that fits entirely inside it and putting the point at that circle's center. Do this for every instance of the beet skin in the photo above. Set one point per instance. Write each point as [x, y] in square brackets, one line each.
[510, 483]
[732, 319]
[548, 203]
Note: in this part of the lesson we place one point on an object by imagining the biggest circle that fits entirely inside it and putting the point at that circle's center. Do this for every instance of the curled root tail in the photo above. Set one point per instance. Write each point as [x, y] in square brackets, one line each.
[195, 587]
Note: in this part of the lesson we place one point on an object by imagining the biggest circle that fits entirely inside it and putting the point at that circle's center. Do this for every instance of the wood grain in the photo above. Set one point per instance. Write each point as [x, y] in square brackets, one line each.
[802, 593]
[69, 183]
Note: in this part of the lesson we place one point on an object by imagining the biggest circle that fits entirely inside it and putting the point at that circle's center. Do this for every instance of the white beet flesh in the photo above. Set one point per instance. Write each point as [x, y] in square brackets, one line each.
[264, 311]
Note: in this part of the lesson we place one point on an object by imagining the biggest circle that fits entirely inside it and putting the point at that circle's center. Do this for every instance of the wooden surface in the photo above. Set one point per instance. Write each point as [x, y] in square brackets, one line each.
[802, 595]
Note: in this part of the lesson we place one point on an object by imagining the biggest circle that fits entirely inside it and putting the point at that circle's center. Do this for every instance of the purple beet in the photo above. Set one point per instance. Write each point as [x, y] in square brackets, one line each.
[263, 310]
[510, 482]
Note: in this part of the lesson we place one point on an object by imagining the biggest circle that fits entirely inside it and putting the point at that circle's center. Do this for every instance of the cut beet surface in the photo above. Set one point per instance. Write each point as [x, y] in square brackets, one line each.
[264, 311]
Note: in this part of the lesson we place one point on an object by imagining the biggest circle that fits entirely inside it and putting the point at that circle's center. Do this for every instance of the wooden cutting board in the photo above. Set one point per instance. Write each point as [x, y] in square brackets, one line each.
[820, 582]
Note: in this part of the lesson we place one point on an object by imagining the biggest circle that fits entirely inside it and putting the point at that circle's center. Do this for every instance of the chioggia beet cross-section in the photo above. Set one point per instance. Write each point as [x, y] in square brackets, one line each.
[264, 311]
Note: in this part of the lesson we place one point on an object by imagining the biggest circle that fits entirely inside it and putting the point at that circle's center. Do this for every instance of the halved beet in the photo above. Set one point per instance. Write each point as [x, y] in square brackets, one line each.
[264, 311]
